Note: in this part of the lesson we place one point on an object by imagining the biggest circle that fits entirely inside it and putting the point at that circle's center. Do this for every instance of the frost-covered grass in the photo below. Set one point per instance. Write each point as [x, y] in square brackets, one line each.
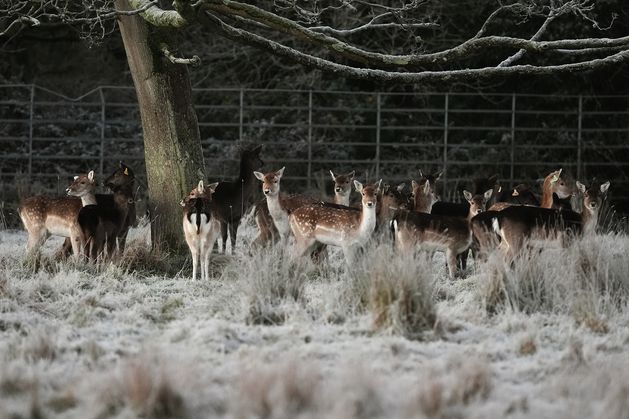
[267, 337]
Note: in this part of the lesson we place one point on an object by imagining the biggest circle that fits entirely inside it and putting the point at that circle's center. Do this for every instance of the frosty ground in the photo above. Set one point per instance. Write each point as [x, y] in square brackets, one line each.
[122, 341]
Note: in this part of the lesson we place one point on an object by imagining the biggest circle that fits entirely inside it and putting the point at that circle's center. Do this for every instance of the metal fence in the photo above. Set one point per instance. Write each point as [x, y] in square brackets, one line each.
[45, 137]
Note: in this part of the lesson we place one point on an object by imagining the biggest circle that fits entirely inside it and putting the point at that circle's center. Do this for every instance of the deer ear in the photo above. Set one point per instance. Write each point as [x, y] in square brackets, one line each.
[605, 187]
[259, 175]
[555, 176]
[467, 195]
[581, 187]
[515, 192]
[414, 185]
[333, 177]
[378, 184]
[351, 174]
[493, 179]
[200, 187]
[90, 176]
[420, 173]
[76, 177]
[280, 172]
[438, 175]
[122, 166]
[213, 186]
[182, 203]
[358, 186]
[426, 187]
[401, 187]
[487, 194]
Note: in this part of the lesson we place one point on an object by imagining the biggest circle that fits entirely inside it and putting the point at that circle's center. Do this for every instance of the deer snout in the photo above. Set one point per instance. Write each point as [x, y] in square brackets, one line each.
[593, 204]
[68, 190]
[337, 190]
[369, 204]
[267, 191]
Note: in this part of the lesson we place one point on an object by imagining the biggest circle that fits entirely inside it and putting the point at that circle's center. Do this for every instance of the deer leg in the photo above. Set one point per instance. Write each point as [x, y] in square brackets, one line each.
[224, 236]
[206, 249]
[66, 249]
[233, 231]
[451, 258]
[194, 250]
[350, 255]
[36, 239]
[302, 247]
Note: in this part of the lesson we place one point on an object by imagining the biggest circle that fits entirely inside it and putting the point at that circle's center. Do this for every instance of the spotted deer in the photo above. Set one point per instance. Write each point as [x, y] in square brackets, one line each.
[346, 228]
[43, 216]
[517, 224]
[342, 187]
[452, 235]
[279, 206]
[201, 228]
[231, 200]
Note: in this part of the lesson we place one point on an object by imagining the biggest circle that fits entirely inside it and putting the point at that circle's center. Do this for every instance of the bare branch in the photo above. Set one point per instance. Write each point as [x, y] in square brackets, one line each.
[463, 75]
[20, 20]
[194, 61]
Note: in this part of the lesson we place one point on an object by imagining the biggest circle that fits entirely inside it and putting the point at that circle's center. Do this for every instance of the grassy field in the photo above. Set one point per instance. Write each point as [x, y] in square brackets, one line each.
[390, 338]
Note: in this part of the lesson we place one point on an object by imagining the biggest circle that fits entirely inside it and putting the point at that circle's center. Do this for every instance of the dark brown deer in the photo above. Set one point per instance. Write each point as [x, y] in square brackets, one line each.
[200, 227]
[415, 230]
[517, 224]
[231, 200]
[319, 224]
[122, 180]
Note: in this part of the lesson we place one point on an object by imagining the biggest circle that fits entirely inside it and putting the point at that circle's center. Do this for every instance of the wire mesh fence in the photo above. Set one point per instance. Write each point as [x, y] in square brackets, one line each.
[46, 137]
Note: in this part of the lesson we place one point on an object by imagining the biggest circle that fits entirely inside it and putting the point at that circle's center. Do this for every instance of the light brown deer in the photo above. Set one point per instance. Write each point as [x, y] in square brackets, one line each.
[423, 195]
[200, 226]
[452, 235]
[342, 187]
[279, 206]
[318, 224]
[517, 224]
[43, 216]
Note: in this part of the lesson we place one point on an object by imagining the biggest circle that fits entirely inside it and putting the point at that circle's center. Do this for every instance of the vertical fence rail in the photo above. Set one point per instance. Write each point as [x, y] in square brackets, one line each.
[378, 125]
[241, 113]
[579, 137]
[446, 109]
[512, 162]
[309, 139]
[30, 133]
[103, 122]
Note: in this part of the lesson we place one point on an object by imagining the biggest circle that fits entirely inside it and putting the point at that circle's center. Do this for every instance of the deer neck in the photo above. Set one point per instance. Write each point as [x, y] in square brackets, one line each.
[246, 179]
[88, 199]
[423, 205]
[340, 199]
[275, 206]
[547, 194]
[367, 222]
[589, 220]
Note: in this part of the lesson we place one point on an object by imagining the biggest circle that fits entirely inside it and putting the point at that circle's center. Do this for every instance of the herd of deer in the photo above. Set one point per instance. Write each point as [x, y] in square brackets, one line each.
[417, 220]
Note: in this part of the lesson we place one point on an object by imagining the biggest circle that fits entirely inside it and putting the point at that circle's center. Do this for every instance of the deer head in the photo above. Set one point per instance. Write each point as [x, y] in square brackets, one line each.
[251, 157]
[369, 193]
[82, 185]
[201, 191]
[477, 202]
[270, 182]
[593, 196]
[423, 195]
[556, 184]
[123, 176]
[342, 183]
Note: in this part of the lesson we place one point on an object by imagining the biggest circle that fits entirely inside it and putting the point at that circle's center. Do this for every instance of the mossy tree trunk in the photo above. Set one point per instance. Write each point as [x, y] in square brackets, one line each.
[172, 145]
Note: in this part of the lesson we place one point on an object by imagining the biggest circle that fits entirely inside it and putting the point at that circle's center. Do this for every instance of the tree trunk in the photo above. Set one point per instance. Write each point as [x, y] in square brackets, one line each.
[172, 145]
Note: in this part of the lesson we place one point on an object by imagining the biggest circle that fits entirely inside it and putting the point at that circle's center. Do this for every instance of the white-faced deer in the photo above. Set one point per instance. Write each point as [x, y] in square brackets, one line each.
[452, 235]
[342, 187]
[346, 228]
[517, 224]
[43, 216]
[231, 199]
[279, 206]
[200, 227]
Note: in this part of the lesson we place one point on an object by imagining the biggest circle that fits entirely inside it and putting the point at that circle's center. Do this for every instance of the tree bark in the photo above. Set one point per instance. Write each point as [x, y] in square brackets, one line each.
[172, 144]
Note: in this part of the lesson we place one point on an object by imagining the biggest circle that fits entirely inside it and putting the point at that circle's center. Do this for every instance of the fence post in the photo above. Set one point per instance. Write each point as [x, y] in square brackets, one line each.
[445, 143]
[512, 168]
[579, 139]
[30, 134]
[378, 125]
[309, 138]
[241, 113]
[102, 131]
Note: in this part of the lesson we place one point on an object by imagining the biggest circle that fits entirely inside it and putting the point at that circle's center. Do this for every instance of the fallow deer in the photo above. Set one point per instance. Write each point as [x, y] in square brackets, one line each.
[231, 199]
[521, 194]
[318, 224]
[451, 235]
[424, 196]
[200, 227]
[279, 206]
[462, 209]
[342, 187]
[517, 224]
[43, 216]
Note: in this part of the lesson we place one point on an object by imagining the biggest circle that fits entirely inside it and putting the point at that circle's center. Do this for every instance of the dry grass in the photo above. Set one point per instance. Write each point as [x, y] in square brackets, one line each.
[400, 291]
